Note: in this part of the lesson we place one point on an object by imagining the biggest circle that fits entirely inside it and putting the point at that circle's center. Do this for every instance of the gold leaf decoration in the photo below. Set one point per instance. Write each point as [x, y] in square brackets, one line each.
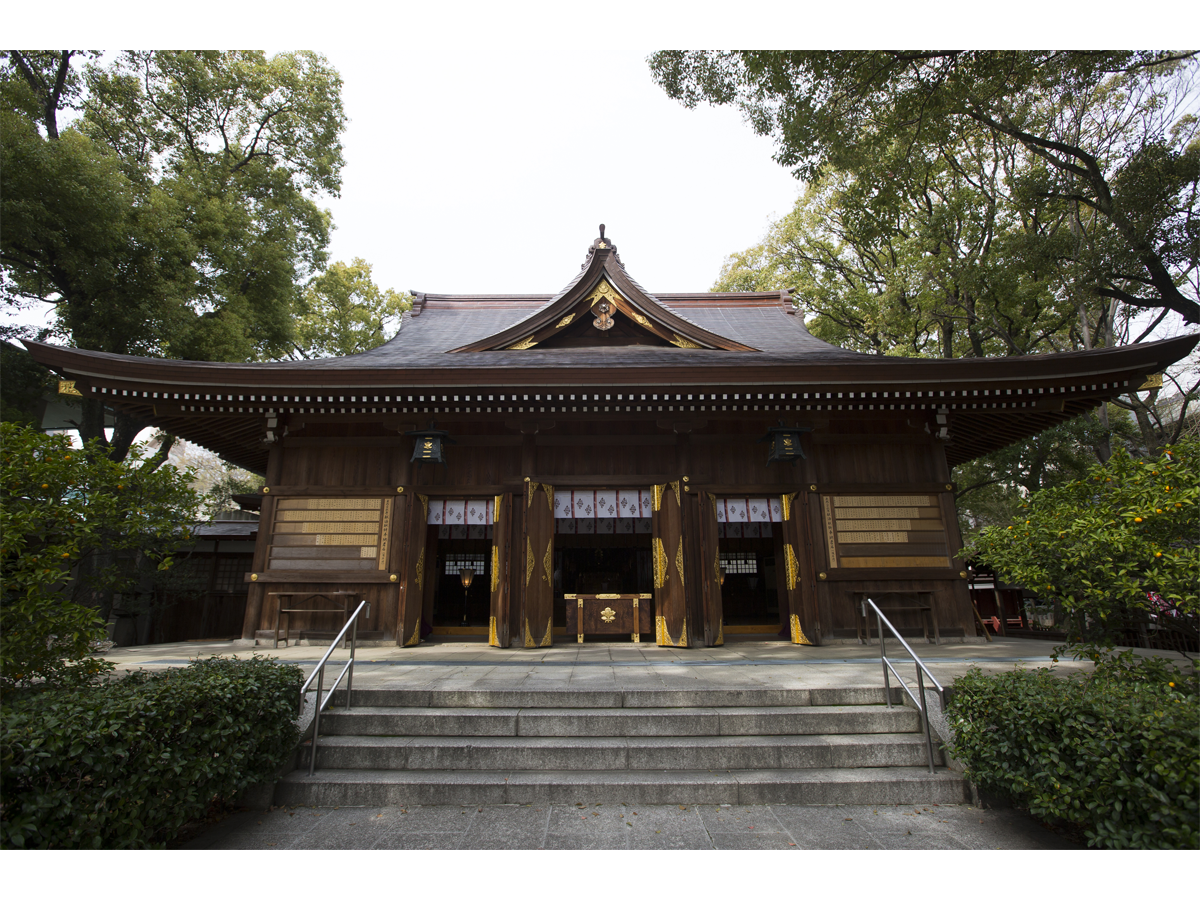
[416, 635]
[549, 489]
[68, 388]
[675, 485]
[720, 642]
[660, 564]
[793, 566]
[798, 632]
[495, 567]
[548, 563]
[421, 571]
[602, 291]
[529, 560]
[640, 319]
[684, 343]
[658, 490]
[679, 561]
[424, 507]
[661, 636]
[529, 644]
[547, 638]
[522, 345]
[787, 506]
[565, 320]
[532, 486]
[493, 641]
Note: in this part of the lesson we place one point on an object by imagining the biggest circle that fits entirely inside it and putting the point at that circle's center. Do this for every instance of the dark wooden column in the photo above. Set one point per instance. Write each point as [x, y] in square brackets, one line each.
[262, 546]
[670, 596]
[539, 564]
[498, 623]
[709, 570]
[414, 570]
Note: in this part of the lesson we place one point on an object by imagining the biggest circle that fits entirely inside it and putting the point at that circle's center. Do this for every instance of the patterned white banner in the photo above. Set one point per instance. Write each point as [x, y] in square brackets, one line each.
[460, 512]
[738, 510]
[602, 505]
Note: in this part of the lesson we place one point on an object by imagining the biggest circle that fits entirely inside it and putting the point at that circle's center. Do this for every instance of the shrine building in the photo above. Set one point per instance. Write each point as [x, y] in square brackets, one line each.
[605, 463]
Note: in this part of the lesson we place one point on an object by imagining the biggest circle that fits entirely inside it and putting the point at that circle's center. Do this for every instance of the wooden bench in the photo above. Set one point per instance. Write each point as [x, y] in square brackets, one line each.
[342, 600]
[895, 602]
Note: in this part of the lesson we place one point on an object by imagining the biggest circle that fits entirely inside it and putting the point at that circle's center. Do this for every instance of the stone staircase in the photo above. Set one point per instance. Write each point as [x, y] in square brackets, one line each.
[806, 747]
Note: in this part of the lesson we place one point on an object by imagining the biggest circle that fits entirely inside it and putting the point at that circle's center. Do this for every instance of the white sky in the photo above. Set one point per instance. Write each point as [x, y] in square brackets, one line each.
[491, 171]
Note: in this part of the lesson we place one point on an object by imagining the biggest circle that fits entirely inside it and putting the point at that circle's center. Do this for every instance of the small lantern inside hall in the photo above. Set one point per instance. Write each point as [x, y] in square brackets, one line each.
[784, 443]
[428, 445]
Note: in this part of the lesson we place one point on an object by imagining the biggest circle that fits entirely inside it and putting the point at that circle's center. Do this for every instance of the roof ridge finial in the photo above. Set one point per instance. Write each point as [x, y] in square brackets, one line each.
[601, 231]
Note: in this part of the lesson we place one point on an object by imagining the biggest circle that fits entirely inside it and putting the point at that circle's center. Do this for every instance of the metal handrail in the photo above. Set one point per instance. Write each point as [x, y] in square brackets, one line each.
[887, 689]
[319, 674]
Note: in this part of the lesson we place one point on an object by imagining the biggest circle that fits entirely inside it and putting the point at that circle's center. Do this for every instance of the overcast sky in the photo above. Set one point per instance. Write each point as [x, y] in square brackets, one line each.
[491, 172]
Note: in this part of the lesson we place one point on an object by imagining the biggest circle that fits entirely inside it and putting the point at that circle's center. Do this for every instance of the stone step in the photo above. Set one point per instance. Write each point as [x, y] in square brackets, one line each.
[620, 722]
[620, 699]
[618, 753]
[821, 786]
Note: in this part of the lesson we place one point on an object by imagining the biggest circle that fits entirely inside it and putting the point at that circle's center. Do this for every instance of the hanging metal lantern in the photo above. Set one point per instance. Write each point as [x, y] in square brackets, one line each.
[784, 443]
[428, 445]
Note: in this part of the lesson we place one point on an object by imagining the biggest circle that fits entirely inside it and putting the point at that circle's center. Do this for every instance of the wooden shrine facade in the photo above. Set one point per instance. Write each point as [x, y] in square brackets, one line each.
[652, 413]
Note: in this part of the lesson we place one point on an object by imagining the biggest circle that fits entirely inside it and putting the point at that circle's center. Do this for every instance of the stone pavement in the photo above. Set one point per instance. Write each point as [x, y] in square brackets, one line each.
[742, 664]
[632, 827]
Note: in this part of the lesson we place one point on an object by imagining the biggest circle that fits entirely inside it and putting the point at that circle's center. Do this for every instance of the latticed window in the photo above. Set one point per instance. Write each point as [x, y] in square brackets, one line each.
[230, 572]
[739, 563]
[456, 562]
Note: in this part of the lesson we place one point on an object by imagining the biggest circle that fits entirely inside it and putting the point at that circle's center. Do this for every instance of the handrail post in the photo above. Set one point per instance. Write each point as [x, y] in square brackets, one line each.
[925, 717]
[350, 674]
[312, 759]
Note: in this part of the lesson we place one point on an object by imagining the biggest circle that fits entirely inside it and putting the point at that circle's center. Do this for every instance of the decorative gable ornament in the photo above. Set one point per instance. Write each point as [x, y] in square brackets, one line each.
[622, 314]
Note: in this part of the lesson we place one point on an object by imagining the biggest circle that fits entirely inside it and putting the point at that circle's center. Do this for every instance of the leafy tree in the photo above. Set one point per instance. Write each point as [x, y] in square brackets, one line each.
[1115, 548]
[22, 384]
[176, 215]
[1105, 136]
[347, 313]
[67, 517]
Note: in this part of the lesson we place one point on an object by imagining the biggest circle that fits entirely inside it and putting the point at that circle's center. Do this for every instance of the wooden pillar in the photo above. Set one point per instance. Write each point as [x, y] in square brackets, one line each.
[670, 596]
[414, 570]
[538, 565]
[266, 519]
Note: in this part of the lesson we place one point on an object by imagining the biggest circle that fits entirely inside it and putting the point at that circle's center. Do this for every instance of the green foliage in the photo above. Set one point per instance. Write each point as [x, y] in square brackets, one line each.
[1098, 545]
[995, 486]
[178, 214]
[125, 764]
[66, 515]
[22, 384]
[1100, 148]
[347, 313]
[1114, 751]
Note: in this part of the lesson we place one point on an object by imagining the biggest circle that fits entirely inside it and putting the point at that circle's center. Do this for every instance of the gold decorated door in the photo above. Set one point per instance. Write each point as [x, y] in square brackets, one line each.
[801, 600]
[538, 575]
[413, 570]
[670, 599]
[498, 615]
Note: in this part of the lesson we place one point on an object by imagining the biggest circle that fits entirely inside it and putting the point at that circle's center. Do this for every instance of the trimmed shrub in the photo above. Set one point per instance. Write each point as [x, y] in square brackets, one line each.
[126, 763]
[1114, 752]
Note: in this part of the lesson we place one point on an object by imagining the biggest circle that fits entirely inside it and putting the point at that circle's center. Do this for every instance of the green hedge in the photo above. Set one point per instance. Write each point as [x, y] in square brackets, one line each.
[127, 763]
[1115, 752]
